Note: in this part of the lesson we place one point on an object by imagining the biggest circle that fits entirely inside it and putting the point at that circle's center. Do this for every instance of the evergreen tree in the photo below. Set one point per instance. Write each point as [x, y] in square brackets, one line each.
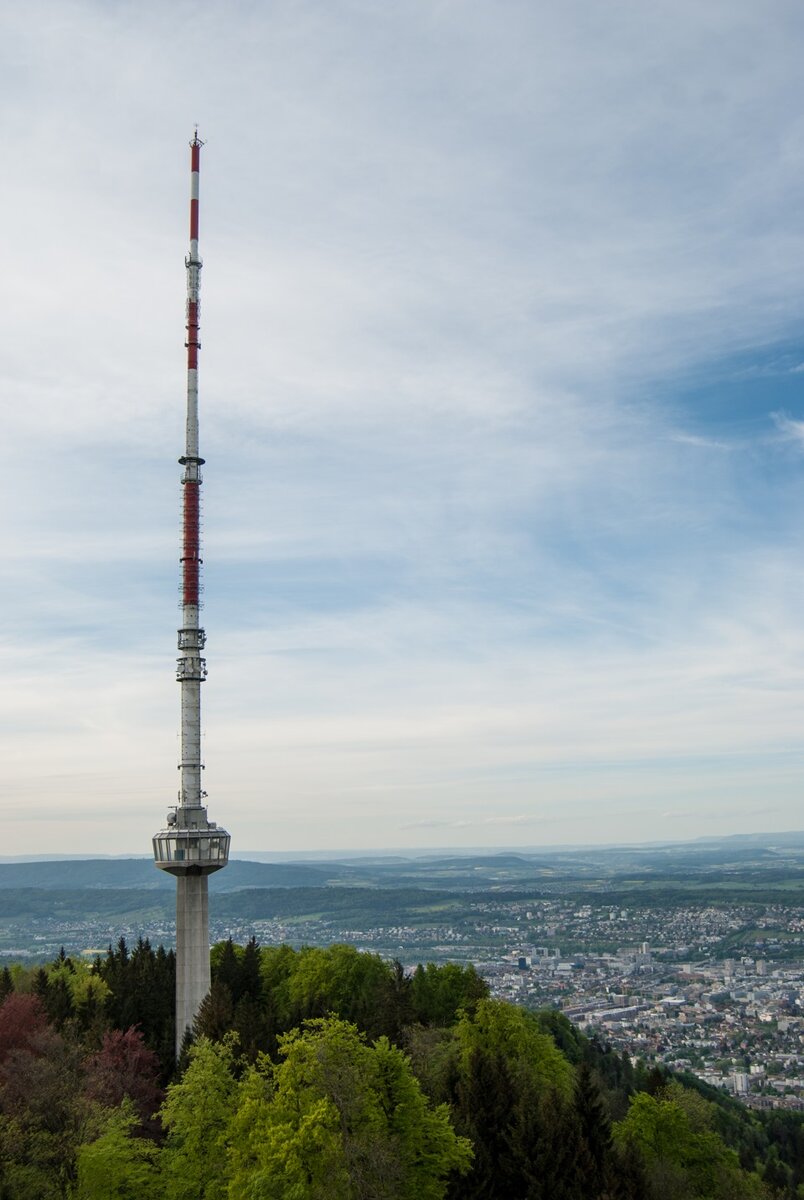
[627, 1179]
[249, 975]
[251, 1024]
[797, 1157]
[546, 1143]
[6, 984]
[775, 1174]
[214, 1017]
[226, 969]
[142, 994]
[40, 986]
[59, 1002]
[395, 1006]
[656, 1081]
[594, 1134]
[484, 1112]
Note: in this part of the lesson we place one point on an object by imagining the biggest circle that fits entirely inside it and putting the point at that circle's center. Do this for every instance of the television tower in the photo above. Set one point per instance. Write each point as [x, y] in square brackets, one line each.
[191, 847]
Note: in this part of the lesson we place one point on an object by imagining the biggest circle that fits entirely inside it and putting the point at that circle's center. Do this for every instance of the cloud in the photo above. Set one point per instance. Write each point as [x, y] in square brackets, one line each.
[789, 428]
[704, 443]
[475, 548]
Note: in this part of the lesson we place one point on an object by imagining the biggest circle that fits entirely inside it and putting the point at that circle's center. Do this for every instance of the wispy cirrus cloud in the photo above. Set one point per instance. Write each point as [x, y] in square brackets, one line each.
[789, 428]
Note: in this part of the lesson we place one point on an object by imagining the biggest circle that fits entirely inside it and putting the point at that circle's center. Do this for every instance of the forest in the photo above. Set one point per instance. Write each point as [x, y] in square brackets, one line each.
[331, 1074]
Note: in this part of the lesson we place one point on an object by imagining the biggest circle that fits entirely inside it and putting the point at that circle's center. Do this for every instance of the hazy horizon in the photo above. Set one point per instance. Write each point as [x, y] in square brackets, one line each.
[319, 855]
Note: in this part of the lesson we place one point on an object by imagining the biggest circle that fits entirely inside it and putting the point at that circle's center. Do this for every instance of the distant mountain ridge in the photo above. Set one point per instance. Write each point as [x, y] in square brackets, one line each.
[467, 872]
[122, 873]
[482, 855]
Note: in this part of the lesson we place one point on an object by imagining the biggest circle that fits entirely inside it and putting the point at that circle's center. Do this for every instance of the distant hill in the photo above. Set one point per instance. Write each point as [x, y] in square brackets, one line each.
[149, 904]
[770, 860]
[469, 862]
[140, 873]
[789, 840]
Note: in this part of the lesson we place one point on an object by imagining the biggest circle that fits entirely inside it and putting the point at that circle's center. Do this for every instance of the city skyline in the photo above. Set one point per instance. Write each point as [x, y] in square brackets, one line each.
[502, 402]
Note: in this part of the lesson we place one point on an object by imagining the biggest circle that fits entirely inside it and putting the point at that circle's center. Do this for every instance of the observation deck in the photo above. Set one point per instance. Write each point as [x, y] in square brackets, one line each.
[191, 844]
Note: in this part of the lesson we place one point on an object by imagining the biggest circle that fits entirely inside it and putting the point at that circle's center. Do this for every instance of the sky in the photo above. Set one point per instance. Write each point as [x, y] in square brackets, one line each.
[502, 402]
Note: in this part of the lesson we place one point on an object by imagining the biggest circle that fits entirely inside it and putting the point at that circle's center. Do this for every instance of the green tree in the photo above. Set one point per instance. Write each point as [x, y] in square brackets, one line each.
[6, 984]
[196, 1114]
[225, 964]
[397, 1002]
[116, 1165]
[214, 1017]
[337, 980]
[439, 993]
[249, 977]
[436, 1060]
[485, 1107]
[511, 1032]
[339, 1118]
[513, 1098]
[679, 1159]
[142, 993]
[252, 1024]
[594, 1165]
[42, 1113]
[277, 963]
[89, 995]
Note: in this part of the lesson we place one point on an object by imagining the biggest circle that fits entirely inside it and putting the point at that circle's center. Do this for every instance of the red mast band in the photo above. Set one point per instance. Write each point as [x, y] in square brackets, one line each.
[192, 334]
[195, 165]
[191, 555]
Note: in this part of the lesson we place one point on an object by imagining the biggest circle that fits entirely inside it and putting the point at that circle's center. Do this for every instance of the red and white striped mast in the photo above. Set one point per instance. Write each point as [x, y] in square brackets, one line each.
[192, 668]
[191, 847]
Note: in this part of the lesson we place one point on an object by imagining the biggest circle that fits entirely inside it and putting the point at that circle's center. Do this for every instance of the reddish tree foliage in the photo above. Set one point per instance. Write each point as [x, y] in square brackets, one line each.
[124, 1066]
[22, 1019]
[39, 1082]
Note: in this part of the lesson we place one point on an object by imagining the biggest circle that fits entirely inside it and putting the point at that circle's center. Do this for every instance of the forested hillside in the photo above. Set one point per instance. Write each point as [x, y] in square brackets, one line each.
[328, 1074]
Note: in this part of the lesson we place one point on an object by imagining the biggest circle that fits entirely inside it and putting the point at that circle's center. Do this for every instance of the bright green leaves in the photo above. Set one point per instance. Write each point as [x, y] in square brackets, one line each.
[336, 1119]
[670, 1133]
[197, 1114]
[341, 1118]
[512, 1033]
[286, 1146]
[117, 1165]
[440, 992]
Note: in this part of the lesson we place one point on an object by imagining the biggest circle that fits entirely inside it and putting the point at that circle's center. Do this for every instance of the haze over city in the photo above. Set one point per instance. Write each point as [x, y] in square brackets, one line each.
[501, 400]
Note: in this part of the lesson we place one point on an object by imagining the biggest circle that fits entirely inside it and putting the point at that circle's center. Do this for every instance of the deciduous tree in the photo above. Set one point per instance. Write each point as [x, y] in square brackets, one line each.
[341, 1118]
[196, 1114]
[117, 1165]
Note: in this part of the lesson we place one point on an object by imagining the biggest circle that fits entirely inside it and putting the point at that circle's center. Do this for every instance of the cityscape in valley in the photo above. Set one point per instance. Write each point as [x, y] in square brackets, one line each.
[690, 956]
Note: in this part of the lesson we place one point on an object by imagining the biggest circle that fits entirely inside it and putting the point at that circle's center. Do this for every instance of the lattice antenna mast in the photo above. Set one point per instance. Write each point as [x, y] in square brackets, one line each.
[192, 667]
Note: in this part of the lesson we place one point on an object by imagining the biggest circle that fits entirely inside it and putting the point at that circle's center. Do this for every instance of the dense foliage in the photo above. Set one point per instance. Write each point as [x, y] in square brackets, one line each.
[329, 1074]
